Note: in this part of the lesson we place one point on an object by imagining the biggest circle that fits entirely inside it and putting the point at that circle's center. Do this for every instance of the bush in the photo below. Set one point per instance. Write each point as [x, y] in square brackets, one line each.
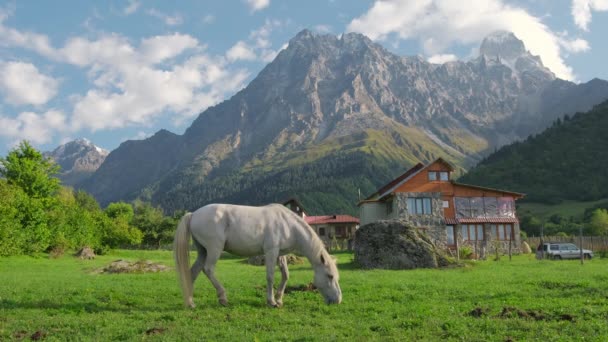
[465, 252]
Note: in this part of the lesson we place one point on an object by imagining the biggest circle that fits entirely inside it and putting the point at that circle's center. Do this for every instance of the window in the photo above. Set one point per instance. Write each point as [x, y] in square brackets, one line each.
[446, 204]
[322, 231]
[477, 210]
[444, 176]
[472, 232]
[502, 231]
[480, 207]
[432, 175]
[340, 231]
[419, 206]
[506, 207]
[450, 232]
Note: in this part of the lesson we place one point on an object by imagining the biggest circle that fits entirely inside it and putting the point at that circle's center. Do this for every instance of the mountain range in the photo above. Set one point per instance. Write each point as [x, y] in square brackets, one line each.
[332, 117]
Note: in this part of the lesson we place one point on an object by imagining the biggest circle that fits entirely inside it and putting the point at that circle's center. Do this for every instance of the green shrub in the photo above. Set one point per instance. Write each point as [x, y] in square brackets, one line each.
[465, 252]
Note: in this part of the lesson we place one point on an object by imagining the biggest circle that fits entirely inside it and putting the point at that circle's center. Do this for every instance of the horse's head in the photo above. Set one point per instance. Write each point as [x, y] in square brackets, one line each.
[327, 278]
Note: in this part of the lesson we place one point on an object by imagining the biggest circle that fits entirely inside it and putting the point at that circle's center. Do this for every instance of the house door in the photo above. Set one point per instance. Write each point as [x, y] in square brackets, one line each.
[450, 234]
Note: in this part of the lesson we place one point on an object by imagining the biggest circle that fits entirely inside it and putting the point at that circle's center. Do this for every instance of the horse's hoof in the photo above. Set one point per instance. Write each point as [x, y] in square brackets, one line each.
[223, 302]
[274, 305]
[279, 304]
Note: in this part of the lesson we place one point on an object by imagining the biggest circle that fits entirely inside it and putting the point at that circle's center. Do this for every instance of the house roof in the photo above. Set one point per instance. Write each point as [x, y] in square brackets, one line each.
[391, 186]
[324, 219]
[397, 181]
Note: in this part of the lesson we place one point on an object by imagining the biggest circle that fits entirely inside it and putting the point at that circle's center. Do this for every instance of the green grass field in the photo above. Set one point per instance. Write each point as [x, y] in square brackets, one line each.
[523, 299]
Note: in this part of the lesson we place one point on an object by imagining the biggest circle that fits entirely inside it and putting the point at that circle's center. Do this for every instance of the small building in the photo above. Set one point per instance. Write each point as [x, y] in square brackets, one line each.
[451, 213]
[336, 231]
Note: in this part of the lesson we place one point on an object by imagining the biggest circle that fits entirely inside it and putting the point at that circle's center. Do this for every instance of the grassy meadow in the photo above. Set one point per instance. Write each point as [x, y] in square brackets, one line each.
[524, 299]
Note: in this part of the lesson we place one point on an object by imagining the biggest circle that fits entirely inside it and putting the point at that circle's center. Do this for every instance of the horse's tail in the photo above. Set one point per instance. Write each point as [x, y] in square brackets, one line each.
[181, 250]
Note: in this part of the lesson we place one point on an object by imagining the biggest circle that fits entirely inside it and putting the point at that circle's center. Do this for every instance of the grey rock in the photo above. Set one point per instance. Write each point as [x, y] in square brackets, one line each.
[86, 253]
[395, 244]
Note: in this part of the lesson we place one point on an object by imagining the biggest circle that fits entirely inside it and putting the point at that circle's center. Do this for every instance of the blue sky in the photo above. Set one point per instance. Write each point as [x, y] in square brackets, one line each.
[118, 70]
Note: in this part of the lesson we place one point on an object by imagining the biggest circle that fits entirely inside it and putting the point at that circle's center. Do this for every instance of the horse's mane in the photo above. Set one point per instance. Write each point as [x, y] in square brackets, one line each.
[316, 246]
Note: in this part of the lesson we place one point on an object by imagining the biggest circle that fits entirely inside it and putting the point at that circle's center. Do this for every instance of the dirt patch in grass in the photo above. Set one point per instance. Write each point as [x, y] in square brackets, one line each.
[479, 312]
[38, 335]
[310, 287]
[19, 335]
[513, 312]
[155, 331]
[556, 285]
[141, 266]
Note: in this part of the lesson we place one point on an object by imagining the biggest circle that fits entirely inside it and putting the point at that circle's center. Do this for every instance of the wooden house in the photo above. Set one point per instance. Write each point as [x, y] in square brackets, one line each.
[451, 213]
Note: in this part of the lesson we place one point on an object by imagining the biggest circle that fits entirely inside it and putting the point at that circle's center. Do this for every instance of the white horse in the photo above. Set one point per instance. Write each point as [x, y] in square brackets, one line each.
[272, 230]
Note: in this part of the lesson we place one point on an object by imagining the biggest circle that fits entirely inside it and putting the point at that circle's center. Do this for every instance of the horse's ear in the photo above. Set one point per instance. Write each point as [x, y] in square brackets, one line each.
[322, 259]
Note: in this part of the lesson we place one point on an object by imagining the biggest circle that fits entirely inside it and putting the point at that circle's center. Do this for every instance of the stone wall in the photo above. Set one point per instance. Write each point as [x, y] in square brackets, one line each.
[433, 224]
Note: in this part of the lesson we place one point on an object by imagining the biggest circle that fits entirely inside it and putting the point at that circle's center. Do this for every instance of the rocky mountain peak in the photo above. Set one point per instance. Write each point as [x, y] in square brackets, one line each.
[78, 159]
[503, 45]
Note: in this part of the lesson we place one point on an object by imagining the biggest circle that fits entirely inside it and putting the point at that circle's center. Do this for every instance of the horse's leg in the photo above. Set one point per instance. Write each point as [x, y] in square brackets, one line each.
[200, 261]
[270, 259]
[209, 269]
[284, 277]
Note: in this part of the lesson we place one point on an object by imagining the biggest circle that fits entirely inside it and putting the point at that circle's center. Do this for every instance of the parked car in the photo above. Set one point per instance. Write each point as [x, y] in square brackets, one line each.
[564, 250]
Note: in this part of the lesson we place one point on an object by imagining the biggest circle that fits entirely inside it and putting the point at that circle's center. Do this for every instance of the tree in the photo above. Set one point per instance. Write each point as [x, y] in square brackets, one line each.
[157, 228]
[12, 237]
[598, 222]
[116, 227]
[26, 168]
[120, 210]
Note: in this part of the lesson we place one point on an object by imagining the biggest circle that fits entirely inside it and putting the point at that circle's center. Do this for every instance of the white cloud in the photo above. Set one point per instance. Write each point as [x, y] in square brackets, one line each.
[208, 19]
[322, 28]
[170, 20]
[575, 46]
[159, 48]
[440, 59]
[240, 51]
[23, 84]
[581, 11]
[256, 5]
[29, 40]
[132, 89]
[129, 84]
[37, 128]
[438, 24]
[132, 7]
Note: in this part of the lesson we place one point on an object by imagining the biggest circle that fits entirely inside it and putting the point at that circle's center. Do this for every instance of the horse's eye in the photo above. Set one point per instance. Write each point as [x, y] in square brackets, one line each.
[331, 277]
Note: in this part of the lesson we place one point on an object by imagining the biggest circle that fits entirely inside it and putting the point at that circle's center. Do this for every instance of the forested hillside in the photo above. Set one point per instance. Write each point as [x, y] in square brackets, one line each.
[567, 161]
